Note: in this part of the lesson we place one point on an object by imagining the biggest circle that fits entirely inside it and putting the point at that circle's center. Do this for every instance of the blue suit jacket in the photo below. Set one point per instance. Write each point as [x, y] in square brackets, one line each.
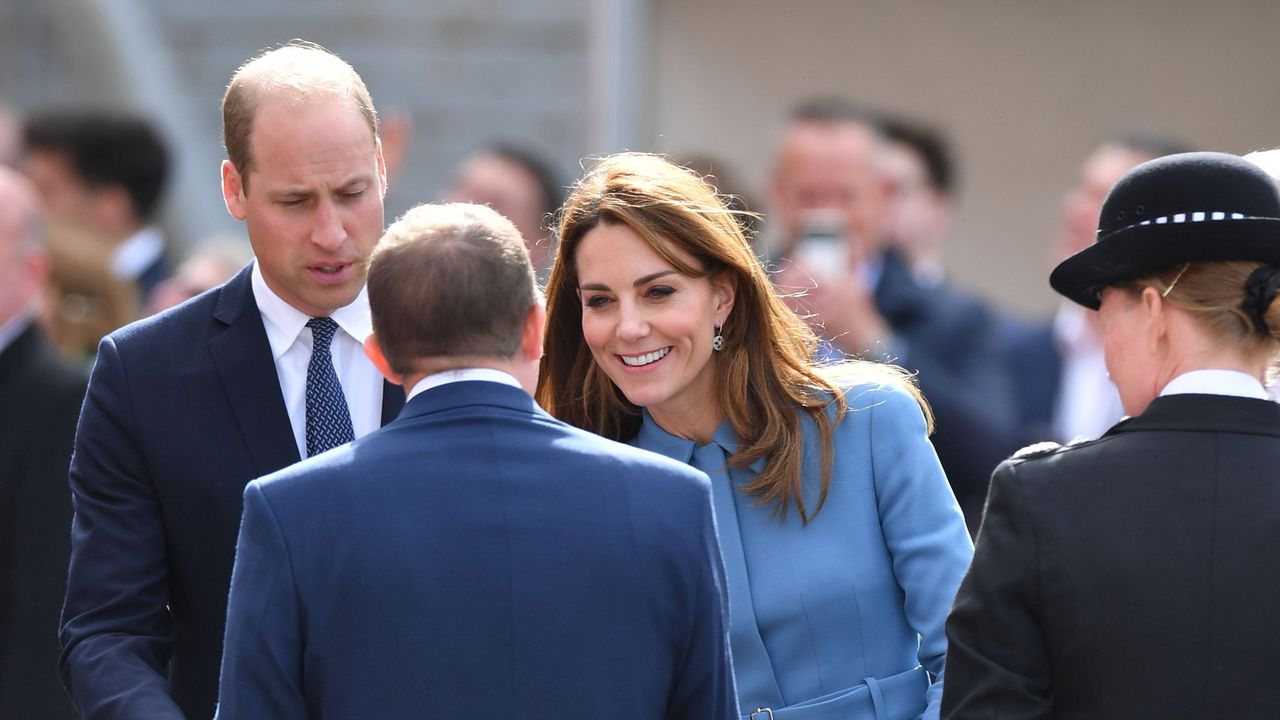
[842, 617]
[183, 410]
[478, 559]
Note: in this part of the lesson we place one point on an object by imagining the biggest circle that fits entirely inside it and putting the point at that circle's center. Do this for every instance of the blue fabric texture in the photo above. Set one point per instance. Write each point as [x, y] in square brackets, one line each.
[860, 592]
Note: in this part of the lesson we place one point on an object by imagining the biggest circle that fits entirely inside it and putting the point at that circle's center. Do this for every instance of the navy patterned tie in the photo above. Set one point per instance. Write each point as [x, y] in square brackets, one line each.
[328, 419]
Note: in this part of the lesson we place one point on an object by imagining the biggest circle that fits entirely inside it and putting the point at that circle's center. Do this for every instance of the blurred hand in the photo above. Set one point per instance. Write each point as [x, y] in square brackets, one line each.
[837, 303]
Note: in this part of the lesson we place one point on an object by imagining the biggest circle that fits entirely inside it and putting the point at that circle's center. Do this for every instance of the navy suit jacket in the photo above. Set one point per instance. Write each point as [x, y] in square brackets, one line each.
[40, 397]
[477, 558]
[183, 409]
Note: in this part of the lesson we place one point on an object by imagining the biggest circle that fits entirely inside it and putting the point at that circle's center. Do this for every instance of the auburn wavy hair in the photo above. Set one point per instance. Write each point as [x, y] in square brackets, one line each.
[765, 378]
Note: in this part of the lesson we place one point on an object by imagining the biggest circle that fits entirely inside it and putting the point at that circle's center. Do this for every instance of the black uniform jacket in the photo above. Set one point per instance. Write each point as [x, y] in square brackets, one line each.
[1134, 576]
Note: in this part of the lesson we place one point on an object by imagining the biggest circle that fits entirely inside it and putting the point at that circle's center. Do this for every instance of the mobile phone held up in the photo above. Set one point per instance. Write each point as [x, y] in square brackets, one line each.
[821, 250]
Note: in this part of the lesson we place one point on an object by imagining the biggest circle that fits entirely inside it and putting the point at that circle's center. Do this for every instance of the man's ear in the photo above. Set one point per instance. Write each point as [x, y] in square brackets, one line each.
[373, 351]
[233, 190]
[382, 168]
[531, 336]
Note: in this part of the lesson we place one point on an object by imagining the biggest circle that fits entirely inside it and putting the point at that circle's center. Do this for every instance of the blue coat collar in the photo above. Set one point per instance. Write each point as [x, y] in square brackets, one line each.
[653, 437]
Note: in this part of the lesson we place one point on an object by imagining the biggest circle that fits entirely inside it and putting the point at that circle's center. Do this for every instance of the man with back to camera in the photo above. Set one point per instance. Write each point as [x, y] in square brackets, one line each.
[40, 396]
[103, 173]
[184, 408]
[831, 192]
[476, 558]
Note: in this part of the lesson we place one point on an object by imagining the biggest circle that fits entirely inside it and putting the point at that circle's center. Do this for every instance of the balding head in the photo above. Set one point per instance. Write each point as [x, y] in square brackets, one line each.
[22, 260]
[295, 74]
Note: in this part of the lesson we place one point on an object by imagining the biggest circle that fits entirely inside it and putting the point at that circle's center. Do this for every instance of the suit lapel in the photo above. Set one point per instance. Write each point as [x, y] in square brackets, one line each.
[242, 356]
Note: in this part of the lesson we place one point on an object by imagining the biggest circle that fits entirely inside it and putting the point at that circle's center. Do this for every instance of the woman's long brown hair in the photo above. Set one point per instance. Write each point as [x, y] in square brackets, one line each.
[766, 376]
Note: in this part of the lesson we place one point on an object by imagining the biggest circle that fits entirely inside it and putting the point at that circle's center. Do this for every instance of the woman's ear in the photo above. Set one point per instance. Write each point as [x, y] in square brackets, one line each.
[723, 291]
[1156, 317]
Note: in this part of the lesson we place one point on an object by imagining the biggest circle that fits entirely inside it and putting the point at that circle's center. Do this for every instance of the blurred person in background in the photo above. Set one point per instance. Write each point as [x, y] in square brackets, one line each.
[103, 174]
[214, 261]
[1061, 388]
[831, 197]
[83, 300]
[843, 544]
[922, 167]
[521, 185]
[1134, 576]
[40, 397]
[186, 407]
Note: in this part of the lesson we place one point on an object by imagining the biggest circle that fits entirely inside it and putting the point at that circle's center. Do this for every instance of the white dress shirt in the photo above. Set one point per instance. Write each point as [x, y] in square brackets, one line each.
[133, 256]
[1216, 382]
[290, 340]
[445, 377]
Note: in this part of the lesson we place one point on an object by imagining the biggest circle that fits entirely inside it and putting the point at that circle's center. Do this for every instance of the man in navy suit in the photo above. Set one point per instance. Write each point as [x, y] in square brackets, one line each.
[185, 408]
[476, 558]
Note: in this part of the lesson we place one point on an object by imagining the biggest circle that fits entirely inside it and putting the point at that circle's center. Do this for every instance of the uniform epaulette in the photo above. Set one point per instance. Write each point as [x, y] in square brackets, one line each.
[1036, 450]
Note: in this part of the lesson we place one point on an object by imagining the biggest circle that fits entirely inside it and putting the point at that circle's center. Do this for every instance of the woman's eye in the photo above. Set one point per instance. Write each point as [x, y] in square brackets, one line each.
[596, 301]
[659, 291]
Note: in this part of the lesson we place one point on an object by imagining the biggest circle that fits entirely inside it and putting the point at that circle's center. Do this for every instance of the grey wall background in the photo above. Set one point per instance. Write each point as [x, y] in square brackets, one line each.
[463, 71]
[1024, 88]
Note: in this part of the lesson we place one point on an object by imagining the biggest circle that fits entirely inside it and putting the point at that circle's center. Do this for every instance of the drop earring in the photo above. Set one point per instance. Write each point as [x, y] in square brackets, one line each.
[717, 342]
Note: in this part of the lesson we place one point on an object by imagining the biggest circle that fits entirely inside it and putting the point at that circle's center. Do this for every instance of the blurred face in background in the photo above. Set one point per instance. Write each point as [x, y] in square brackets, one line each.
[506, 187]
[1083, 204]
[920, 215]
[832, 170]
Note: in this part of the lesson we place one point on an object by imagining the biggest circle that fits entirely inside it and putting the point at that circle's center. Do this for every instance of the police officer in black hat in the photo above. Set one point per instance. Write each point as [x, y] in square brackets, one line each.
[1136, 575]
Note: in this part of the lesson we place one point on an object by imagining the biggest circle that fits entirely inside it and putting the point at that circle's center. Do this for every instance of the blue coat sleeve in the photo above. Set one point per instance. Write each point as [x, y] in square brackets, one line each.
[923, 527]
[116, 634]
[704, 688]
[262, 652]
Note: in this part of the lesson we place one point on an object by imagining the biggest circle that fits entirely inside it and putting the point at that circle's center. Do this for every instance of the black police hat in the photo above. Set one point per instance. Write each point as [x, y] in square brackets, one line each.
[1190, 207]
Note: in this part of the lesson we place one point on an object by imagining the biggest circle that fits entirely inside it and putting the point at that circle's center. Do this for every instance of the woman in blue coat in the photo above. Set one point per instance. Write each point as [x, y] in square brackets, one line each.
[842, 542]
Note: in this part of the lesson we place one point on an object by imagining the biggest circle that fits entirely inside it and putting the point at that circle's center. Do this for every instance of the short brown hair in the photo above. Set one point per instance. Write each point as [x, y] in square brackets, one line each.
[297, 71]
[766, 380]
[450, 281]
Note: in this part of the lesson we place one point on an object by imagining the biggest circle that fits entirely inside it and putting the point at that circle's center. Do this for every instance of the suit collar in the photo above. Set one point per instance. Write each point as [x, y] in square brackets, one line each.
[898, 296]
[1206, 413]
[470, 393]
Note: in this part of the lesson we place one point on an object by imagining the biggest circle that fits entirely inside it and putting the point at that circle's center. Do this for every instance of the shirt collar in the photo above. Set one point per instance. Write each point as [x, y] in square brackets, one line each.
[444, 377]
[284, 322]
[1216, 382]
[133, 256]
